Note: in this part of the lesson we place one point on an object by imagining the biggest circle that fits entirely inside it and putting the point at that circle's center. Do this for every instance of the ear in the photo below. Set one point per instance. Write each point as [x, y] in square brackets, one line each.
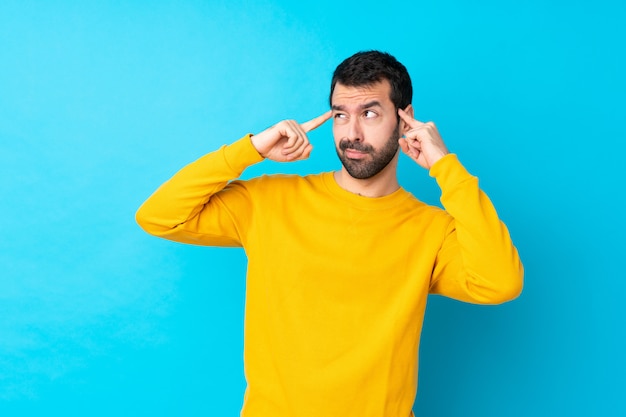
[404, 127]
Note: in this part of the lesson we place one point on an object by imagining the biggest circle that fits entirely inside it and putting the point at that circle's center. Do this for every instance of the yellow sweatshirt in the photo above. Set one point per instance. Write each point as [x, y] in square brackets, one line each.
[337, 283]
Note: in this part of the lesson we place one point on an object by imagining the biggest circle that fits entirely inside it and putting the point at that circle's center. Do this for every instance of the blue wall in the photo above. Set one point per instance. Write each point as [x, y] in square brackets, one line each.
[102, 101]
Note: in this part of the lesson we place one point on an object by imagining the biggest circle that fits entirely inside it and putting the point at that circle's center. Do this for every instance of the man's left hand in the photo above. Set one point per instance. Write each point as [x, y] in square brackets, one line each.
[422, 142]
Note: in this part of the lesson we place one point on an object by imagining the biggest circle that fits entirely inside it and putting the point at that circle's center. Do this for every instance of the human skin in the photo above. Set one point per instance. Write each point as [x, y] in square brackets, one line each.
[287, 140]
[364, 115]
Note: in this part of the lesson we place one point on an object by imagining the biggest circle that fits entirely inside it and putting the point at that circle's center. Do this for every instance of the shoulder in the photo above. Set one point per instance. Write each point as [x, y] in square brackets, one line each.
[420, 211]
[279, 183]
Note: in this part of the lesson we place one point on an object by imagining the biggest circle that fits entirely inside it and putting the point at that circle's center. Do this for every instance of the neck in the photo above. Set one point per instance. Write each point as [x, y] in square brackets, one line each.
[380, 185]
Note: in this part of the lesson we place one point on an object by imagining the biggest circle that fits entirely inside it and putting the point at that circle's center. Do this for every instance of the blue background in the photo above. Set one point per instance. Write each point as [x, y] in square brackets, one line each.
[101, 101]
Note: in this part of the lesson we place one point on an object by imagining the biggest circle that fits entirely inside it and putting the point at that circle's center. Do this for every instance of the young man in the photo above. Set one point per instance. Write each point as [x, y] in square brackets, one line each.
[340, 264]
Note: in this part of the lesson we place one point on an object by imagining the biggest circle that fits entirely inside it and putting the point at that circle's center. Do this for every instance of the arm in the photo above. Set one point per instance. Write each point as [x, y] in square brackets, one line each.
[202, 205]
[193, 207]
[477, 261]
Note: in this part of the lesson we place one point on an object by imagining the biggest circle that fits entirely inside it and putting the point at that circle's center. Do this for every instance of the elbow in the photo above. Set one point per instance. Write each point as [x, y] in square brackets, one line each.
[142, 220]
[147, 222]
[508, 293]
[497, 287]
[509, 288]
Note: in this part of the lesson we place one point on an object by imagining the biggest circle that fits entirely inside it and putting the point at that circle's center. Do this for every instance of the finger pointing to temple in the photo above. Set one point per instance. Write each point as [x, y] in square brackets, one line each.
[413, 123]
[316, 122]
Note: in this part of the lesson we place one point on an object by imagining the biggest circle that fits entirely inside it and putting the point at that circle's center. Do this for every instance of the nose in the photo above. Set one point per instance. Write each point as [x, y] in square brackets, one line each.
[354, 132]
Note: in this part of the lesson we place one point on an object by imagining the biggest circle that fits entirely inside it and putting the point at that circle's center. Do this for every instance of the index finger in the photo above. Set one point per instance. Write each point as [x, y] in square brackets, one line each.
[413, 123]
[316, 122]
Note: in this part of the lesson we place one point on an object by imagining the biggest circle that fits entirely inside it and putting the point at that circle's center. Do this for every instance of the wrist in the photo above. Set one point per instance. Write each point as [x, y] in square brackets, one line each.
[242, 151]
[433, 159]
[254, 141]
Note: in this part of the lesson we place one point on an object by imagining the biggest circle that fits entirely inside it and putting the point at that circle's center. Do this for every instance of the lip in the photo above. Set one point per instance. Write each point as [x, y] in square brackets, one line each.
[354, 154]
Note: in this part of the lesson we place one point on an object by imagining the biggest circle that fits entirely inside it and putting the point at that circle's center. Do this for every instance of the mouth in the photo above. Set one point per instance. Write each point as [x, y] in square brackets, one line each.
[355, 150]
[354, 154]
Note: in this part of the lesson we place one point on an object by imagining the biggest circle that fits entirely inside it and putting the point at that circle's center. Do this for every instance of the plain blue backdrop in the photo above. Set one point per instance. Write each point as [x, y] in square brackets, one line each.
[101, 101]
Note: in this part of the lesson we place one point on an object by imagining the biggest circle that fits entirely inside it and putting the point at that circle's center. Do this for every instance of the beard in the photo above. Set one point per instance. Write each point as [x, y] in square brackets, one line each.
[365, 168]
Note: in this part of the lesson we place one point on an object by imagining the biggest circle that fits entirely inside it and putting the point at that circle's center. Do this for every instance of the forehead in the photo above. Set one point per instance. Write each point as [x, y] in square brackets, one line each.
[348, 95]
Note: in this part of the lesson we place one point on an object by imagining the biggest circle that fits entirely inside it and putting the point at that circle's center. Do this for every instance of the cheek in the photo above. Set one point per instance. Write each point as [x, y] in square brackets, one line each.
[339, 132]
[374, 132]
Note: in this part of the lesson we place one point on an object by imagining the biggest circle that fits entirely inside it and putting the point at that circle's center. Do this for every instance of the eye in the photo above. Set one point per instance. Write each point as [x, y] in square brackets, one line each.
[340, 116]
[369, 114]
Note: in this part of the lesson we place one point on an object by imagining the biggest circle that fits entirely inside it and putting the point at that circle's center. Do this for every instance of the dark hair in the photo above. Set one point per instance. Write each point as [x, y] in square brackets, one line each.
[371, 67]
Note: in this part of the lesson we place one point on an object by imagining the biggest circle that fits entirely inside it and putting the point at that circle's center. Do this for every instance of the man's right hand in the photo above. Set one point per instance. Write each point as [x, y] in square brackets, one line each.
[287, 140]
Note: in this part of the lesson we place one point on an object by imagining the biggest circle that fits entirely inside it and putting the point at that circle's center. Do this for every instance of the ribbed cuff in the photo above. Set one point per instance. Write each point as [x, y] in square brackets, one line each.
[448, 171]
[241, 154]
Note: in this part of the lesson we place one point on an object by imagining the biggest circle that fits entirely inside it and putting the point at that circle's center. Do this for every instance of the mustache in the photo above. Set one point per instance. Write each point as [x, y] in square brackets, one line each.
[357, 146]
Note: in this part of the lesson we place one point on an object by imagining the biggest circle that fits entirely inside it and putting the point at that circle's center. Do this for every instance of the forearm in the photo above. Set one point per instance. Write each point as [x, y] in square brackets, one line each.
[489, 269]
[188, 192]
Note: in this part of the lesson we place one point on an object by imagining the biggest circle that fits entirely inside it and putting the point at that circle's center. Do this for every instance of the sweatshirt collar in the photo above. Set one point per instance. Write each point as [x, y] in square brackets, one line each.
[366, 203]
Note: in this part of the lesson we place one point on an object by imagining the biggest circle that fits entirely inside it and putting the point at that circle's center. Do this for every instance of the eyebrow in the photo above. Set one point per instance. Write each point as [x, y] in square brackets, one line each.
[368, 105]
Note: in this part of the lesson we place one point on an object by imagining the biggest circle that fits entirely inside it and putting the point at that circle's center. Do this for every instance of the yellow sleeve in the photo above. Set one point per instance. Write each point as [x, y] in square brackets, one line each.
[477, 261]
[201, 204]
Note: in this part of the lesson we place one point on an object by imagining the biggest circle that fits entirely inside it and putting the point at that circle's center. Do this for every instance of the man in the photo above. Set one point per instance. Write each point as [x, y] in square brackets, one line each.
[340, 263]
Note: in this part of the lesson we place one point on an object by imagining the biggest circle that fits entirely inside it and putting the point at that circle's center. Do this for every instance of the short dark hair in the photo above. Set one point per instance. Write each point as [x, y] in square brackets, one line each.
[370, 67]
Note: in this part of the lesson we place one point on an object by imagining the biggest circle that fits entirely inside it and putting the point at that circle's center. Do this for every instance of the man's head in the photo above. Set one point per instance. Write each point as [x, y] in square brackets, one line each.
[367, 90]
[365, 69]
